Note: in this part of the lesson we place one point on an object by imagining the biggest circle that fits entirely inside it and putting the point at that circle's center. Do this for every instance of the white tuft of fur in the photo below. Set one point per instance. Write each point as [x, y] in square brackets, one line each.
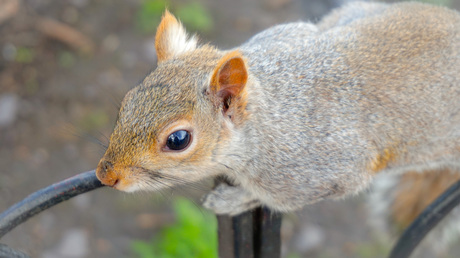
[178, 42]
[132, 188]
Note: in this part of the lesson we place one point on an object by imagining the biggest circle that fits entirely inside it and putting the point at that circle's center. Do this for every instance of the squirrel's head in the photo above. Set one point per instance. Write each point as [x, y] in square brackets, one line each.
[171, 126]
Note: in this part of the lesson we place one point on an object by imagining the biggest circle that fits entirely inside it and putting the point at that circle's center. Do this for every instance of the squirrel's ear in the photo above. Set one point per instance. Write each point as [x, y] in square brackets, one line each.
[229, 77]
[172, 39]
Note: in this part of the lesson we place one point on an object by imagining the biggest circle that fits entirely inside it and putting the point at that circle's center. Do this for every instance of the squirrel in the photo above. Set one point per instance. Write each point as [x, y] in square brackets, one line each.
[299, 113]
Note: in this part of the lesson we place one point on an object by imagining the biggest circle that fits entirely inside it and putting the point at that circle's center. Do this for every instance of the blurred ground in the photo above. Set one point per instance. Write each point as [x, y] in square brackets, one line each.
[68, 80]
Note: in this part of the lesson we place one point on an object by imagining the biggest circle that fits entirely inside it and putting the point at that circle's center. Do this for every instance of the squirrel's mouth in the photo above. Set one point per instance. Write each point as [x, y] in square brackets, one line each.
[119, 179]
[115, 184]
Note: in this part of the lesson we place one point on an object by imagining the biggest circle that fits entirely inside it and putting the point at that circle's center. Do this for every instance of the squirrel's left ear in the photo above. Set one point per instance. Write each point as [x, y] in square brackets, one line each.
[229, 79]
[172, 39]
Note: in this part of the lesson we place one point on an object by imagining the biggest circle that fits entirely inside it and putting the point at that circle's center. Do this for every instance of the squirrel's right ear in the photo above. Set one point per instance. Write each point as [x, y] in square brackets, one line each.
[172, 39]
[229, 79]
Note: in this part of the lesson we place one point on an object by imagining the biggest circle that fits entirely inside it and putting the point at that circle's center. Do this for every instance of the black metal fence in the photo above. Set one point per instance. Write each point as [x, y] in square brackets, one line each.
[253, 234]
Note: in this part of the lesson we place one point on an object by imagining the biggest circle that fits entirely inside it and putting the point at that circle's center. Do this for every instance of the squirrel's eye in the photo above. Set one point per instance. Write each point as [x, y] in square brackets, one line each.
[178, 140]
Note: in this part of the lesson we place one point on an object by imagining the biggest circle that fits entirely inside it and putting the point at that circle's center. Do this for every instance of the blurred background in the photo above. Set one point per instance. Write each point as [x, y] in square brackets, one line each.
[65, 67]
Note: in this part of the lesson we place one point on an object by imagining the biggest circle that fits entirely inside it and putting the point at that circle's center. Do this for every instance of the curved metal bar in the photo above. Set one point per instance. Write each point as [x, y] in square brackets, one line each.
[429, 218]
[46, 198]
[6, 251]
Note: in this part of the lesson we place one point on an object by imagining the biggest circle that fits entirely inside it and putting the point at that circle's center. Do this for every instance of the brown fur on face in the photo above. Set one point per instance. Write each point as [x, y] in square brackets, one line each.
[180, 94]
[138, 138]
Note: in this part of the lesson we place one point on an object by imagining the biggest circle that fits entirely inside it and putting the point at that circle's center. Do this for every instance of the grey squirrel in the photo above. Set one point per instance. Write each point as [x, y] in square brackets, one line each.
[299, 113]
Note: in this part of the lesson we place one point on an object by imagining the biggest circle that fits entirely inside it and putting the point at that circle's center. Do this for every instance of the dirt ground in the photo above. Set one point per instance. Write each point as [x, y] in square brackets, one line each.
[59, 90]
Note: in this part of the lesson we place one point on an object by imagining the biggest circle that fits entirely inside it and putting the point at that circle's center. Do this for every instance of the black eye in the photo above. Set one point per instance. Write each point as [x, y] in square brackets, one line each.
[178, 140]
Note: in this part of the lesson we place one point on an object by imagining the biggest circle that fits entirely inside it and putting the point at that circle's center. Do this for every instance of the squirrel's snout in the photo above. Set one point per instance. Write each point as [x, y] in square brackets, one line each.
[106, 174]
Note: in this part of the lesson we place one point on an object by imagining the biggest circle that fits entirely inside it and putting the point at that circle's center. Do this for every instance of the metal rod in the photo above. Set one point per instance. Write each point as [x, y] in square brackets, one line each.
[8, 252]
[46, 198]
[429, 218]
[252, 234]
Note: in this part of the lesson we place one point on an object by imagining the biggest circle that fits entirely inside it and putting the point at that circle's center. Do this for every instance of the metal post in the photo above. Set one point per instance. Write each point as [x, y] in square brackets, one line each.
[253, 234]
[267, 235]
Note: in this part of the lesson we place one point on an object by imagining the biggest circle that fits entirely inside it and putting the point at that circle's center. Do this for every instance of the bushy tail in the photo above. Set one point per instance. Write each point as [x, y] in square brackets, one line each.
[396, 200]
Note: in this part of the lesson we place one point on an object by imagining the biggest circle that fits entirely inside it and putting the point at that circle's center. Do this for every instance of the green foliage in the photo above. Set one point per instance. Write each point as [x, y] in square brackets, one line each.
[293, 255]
[193, 15]
[437, 2]
[374, 250]
[193, 235]
[66, 59]
[24, 55]
[149, 15]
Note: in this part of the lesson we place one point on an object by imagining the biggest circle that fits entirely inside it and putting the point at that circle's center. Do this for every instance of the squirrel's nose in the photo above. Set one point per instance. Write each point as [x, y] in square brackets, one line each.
[105, 173]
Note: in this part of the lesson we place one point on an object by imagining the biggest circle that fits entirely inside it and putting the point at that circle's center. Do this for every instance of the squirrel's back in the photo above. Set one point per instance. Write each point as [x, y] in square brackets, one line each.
[366, 93]
[386, 65]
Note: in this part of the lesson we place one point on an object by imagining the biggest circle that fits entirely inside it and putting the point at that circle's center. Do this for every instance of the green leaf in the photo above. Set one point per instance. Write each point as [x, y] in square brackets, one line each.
[143, 249]
[66, 59]
[25, 55]
[149, 15]
[437, 2]
[192, 14]
[195, 17]
[193, 235]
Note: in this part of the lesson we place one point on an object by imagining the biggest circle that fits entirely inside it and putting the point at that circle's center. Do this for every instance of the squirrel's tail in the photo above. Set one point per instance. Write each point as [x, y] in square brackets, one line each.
[396, 200]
